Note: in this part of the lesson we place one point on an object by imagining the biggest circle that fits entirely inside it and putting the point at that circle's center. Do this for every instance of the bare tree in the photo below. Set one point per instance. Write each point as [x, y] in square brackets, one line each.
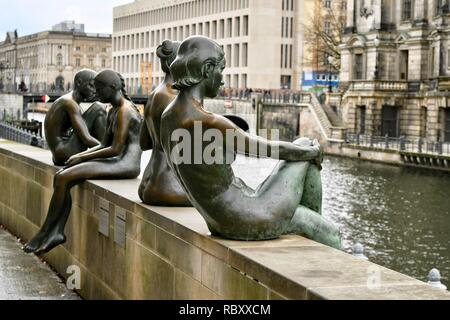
[323, 30]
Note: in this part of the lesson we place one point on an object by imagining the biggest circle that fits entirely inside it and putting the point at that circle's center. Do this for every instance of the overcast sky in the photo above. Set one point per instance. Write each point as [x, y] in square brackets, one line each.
[31, 16]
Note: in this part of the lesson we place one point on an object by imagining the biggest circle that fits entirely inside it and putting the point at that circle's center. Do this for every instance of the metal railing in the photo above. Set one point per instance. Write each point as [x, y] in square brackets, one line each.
[420, 146]
[16, 134]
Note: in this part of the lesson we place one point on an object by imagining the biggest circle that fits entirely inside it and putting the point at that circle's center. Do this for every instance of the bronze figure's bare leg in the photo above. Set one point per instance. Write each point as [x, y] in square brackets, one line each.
[118, 157]
[52, 233]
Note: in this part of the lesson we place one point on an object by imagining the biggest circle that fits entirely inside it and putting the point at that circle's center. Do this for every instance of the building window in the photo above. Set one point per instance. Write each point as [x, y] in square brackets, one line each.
[358, 66]
[327, 4]
[78, 62]
[104, 49]
[59, 60]
[91, 49]
[91, 62]
[407, 10]
[78, 49]
[103, 63]
[59, 47]
[327, 27]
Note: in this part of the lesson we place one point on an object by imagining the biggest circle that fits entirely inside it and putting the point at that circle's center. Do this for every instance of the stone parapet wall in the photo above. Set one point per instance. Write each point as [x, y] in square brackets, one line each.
[167, 253]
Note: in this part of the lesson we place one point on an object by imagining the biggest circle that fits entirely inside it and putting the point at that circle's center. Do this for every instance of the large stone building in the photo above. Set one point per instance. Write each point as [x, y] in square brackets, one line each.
[263, 39]
[396, 68]
[48, 60]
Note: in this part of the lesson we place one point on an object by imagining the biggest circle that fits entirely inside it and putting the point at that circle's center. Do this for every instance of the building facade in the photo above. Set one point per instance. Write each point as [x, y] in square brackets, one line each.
[396, 68]
[324, 21]
[262, 39]
[48, 61]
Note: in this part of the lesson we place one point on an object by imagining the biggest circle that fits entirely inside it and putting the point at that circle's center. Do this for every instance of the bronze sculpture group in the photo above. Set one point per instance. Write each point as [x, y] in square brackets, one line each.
[288, 202]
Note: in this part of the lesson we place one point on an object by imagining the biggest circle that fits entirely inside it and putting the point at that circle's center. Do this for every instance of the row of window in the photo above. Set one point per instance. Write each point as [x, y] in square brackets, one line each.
[287, 5]
[286, 56]
[217, 29]
[236, 56]
[441, 6]
[91, 49]
[287, 27]
[178, 12]
[135, 85]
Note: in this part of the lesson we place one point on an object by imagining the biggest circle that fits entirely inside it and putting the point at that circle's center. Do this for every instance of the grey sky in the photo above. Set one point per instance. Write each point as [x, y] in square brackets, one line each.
[31, 16]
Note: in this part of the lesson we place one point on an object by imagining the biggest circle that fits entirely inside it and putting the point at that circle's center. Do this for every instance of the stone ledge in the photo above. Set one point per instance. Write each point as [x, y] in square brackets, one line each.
[169, 253]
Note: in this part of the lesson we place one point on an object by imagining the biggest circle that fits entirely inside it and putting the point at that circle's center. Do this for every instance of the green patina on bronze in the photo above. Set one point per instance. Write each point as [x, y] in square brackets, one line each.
[159, 185]
[117, 157]
[68, 131]
[288, 201]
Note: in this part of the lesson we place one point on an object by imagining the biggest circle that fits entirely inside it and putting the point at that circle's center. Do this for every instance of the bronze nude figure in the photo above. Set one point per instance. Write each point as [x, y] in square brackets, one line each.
[159, 185]
[118, 157]
[288, 201]
[68, 130]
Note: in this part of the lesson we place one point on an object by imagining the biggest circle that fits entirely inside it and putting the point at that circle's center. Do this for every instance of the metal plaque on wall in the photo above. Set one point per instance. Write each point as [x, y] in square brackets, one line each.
[120, 226]
[103, 217]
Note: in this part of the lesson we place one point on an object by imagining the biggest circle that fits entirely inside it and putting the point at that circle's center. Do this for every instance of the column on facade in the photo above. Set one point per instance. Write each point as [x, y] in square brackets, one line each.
[432, 120]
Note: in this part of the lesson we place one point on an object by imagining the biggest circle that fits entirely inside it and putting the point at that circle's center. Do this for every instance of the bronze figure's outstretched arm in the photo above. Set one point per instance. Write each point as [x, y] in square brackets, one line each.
[288, 201]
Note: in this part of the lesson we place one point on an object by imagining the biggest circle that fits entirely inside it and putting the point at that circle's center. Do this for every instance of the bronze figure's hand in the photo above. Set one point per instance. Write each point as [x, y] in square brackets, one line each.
[74, 160]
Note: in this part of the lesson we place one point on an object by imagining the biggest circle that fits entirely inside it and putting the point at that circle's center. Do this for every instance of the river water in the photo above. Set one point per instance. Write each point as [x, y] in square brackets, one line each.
[401, 215]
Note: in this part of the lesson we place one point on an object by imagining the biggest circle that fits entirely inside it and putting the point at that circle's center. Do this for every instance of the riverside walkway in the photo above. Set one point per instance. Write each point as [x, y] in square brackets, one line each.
[25, 277]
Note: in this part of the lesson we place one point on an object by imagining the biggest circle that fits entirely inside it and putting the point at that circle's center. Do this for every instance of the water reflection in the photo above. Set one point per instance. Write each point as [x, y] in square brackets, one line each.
[400, 215]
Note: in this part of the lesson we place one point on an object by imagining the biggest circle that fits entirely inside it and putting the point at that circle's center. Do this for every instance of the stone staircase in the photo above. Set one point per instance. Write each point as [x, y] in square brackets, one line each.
[331, 126]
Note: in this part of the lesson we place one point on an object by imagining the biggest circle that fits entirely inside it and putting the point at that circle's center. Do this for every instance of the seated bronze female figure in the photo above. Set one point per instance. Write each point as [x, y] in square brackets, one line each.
[288, 201]
[118, 157]
[159, 185]
[69, 130]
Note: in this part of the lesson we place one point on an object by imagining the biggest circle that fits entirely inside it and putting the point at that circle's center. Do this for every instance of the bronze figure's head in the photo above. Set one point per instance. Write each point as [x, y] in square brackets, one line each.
[110, 86]
[167, 52]
[200, 61]
[84, 84]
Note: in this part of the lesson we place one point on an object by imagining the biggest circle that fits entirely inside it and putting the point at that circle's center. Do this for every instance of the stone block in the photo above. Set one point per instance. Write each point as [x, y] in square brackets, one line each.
[34, 205]
[186, 288]
[5, 178]
[228, 282]
[18, 194]
[141, 231]
[43, 177]
[91, 245]
[384, 292]
[151, 277]
[315, 267]
[181, 254]
[145, 212]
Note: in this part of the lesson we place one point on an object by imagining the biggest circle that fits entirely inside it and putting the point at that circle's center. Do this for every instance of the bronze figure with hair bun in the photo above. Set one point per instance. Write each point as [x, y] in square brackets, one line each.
[159, 185]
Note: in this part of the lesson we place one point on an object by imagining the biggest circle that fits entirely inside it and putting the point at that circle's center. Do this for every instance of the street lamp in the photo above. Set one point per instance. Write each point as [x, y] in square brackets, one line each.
[330, 63]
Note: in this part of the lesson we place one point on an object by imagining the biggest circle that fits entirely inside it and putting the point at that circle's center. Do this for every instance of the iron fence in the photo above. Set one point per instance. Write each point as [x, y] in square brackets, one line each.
[16, 134]
[399, 144]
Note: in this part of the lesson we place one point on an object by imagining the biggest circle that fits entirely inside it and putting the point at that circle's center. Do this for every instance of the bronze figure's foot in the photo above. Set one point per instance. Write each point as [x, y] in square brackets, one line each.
[33, 245]
[52, 241]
